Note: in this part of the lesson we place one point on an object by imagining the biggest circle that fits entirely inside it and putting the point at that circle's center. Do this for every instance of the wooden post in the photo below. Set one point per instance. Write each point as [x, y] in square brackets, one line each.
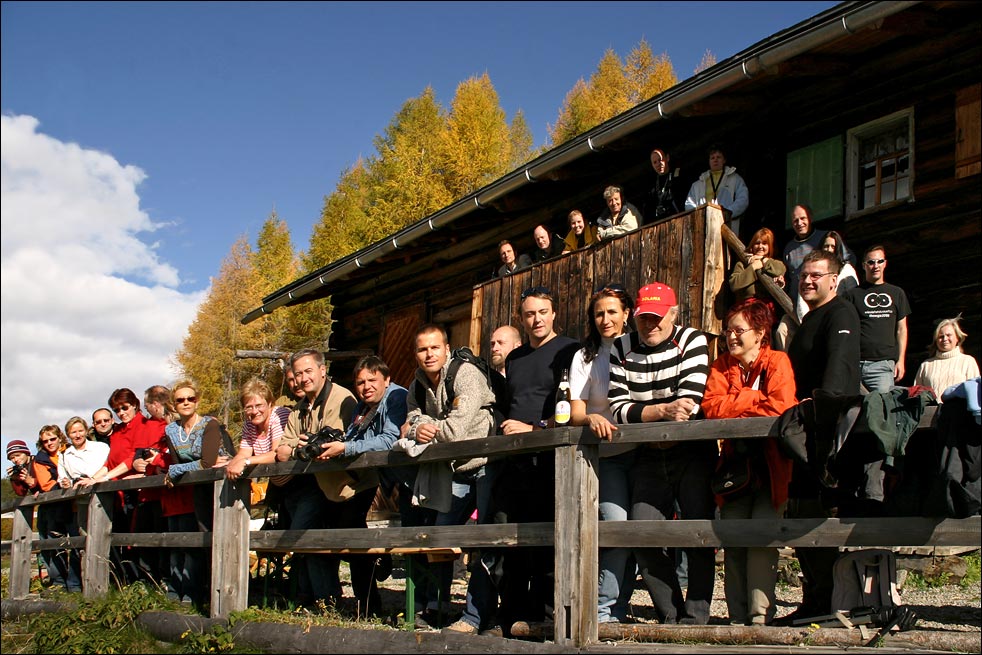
[230, 548]
[715, 273]
[98, 545]
[20, 552]
[477, 318]
[577, 568]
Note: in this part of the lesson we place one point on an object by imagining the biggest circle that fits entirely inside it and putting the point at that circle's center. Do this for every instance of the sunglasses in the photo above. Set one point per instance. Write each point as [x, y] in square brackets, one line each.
[536, 291]
[123, 408]
[49, 439]
[185, 399]
[874, 262]
[102, 420]
[616, 288]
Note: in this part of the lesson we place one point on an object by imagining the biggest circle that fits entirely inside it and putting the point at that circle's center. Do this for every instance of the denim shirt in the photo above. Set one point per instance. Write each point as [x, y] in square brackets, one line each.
[384, 426]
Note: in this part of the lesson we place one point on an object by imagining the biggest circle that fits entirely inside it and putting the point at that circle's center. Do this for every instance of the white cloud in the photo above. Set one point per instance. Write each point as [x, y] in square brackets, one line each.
[86, 306]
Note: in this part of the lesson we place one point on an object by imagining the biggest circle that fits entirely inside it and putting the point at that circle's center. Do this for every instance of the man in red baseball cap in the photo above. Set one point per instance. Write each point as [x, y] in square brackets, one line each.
[667, 366]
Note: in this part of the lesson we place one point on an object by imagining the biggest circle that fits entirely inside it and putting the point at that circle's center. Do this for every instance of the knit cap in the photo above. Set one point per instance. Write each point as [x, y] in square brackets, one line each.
[17, 446]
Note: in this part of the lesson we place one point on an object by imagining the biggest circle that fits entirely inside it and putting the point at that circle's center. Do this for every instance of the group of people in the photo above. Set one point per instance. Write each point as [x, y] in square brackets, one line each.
[637, 364]
[720, 184]
[166, 436]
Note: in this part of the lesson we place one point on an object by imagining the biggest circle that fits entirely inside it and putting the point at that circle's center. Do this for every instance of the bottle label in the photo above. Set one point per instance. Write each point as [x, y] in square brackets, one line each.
[562, 412]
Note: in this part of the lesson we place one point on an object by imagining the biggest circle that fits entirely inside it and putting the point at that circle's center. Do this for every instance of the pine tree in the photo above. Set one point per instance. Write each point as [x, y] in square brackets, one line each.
[207, 355]
[708, 61]
[476, 146]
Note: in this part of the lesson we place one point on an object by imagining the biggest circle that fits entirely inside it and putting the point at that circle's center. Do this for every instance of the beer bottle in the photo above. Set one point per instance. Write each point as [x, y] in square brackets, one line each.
[563, 400]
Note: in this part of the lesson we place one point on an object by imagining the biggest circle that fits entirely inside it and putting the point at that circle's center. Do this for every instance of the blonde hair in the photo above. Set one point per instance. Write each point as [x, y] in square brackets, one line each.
[55, 430]
[956, 325]
[259, 389]
[77, 419]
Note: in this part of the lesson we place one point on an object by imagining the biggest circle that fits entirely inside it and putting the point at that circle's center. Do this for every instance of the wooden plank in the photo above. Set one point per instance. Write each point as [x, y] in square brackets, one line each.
[230, 548]
[451, 536]
[715, 274]
[98, 532]
[691, 266]
[20, 552]
[852, 532]
[577, 567]
[476, 339]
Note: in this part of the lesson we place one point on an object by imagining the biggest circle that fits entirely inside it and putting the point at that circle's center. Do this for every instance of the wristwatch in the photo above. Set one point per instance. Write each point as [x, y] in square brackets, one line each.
[248, 461]
[542, 424]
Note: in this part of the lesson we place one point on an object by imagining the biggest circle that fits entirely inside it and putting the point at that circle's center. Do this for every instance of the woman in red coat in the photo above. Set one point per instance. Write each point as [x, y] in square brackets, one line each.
[750, 379]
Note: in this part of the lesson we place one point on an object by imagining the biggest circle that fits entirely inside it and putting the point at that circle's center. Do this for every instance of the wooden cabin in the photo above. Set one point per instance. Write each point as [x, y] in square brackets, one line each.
[869, 112]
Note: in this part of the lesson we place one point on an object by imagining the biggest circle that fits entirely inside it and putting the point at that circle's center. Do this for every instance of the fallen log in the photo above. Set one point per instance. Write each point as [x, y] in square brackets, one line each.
[763, 635]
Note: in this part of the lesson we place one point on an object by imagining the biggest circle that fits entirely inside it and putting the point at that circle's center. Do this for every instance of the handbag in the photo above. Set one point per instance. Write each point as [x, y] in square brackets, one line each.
[733, 478]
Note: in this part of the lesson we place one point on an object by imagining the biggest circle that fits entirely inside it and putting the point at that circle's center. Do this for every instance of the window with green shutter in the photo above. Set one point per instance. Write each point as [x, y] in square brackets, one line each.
[814, 178]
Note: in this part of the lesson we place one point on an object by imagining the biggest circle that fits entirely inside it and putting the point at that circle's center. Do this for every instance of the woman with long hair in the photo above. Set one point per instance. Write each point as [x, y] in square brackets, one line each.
[589, 376]
[751, 379]
[743, 279]
[832, 242]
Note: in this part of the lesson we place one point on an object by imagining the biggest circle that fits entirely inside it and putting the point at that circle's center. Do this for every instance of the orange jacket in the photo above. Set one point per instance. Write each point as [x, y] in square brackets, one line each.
[730, 394]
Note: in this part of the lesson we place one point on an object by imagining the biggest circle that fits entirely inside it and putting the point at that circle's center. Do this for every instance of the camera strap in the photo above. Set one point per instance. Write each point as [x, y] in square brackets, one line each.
[363, 421]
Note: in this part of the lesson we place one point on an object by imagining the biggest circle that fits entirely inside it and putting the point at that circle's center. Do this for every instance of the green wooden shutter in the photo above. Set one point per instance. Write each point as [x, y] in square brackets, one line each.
[815, 179]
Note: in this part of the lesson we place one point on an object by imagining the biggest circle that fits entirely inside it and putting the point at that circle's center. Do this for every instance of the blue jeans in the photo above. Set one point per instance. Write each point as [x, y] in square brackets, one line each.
[468, 495]
[617, 568]
[64, 566]
[877, 376]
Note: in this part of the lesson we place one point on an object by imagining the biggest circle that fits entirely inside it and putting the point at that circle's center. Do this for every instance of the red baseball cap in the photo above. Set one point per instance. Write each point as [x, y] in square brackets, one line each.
[655, 298]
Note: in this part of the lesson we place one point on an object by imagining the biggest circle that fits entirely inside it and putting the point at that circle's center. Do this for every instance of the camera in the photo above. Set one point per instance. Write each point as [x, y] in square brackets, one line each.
[145, 454]
[17, 469]
[316, 442]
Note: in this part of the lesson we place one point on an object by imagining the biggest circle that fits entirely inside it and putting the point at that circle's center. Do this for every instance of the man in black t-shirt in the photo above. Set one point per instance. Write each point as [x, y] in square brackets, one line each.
[525, 490]
[883, 311]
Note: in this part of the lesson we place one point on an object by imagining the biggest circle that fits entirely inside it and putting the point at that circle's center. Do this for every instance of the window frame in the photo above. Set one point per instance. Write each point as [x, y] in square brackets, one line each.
[854, 136]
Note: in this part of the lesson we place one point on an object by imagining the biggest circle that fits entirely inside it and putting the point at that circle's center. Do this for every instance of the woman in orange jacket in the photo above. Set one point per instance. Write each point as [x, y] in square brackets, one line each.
[750, 379]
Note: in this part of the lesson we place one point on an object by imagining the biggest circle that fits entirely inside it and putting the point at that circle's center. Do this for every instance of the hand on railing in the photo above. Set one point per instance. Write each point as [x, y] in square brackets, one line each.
[601, 427]
[514, 426]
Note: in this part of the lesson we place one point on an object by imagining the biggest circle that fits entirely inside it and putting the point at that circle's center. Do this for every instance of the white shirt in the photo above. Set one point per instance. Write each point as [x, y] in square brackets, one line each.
[589, 382]
[75, 463]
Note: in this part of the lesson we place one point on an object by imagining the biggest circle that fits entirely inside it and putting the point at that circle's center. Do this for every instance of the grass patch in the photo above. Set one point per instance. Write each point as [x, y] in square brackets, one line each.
[973, 574]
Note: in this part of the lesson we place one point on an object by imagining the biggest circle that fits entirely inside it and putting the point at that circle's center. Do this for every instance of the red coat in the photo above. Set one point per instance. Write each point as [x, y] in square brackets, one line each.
[730, 394]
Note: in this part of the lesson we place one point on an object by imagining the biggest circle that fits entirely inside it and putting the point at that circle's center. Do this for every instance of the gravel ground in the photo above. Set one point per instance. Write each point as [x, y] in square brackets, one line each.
[950, 607]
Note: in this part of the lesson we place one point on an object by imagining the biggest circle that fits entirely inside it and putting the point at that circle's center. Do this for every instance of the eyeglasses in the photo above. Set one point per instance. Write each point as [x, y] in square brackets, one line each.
[100, 421]
[123, 408]
[185, 399]
[736, 331]
[874, 262]
[815, 277]
[536, 291]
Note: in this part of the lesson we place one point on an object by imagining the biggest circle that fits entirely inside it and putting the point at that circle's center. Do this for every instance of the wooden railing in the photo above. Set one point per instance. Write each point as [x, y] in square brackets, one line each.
[576, 533]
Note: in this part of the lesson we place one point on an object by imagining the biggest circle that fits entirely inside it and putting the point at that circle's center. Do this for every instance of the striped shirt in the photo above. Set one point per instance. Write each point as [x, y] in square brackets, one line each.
[263, 443]
[642, 375]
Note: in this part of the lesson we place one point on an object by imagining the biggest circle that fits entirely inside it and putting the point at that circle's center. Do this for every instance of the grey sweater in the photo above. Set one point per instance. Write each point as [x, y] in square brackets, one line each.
[469, 417]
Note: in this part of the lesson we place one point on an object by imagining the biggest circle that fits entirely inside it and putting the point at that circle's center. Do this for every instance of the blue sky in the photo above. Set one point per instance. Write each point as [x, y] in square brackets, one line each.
[140, 140]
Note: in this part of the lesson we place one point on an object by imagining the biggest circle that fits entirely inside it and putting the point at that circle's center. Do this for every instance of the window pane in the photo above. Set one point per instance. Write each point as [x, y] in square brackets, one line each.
[903, 187]
[887, 193]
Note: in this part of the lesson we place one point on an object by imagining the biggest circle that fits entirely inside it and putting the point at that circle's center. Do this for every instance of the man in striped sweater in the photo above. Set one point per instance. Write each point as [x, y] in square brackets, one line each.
[659, 374]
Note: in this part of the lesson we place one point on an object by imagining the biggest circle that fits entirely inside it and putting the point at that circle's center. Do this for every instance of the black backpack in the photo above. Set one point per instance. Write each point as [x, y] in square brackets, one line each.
[495, 380]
